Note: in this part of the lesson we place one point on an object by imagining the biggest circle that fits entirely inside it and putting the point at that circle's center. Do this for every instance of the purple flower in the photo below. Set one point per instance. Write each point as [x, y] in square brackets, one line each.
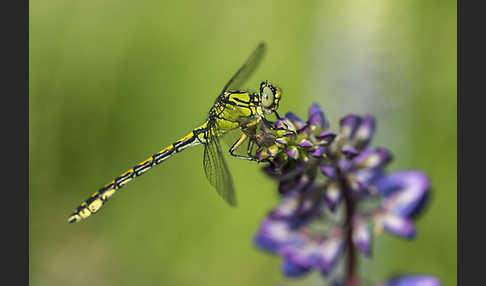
[403, 195]
[319, 172]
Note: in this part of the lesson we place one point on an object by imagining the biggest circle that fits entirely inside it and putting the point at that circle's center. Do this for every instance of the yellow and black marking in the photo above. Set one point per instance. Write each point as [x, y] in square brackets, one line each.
[233, 109]
[94, 203]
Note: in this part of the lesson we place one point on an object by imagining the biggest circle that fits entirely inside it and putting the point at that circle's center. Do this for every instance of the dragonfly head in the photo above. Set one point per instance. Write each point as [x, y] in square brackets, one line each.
[269, 97]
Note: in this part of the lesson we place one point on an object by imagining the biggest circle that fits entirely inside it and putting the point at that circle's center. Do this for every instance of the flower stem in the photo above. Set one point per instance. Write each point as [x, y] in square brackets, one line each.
[351, 259]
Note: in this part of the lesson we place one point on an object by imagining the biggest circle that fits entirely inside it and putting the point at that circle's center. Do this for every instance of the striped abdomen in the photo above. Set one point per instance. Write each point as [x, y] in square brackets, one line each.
[94, 203]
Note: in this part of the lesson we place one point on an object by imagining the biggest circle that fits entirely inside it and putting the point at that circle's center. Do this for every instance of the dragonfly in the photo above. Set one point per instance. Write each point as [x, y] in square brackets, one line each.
[233, 109]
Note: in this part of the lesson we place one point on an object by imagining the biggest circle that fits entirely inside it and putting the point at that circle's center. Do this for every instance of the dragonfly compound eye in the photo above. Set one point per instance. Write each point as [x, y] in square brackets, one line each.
[268, 97]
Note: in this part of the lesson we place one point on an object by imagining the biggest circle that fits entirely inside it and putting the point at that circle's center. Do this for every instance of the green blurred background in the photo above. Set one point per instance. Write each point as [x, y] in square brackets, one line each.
[112, 82]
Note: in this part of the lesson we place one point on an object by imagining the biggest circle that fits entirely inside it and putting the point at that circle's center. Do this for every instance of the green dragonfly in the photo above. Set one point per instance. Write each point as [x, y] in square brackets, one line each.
[233, 109]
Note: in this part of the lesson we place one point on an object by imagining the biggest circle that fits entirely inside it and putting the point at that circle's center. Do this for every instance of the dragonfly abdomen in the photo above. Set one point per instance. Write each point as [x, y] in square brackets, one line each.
[94, 203]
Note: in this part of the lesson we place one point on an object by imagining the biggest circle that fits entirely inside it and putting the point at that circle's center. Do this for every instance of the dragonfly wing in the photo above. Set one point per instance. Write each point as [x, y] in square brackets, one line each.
[216, 169]
[242, 75]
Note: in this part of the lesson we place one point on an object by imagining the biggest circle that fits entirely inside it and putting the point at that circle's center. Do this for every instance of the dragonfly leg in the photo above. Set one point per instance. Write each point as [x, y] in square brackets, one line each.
[271, 125]
[238, 144]
[250, 147]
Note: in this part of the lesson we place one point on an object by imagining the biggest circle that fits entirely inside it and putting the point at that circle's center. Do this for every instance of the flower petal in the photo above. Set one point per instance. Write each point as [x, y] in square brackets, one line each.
[333, 195]
[330, 251]
[316, 116]
[283, 140]
[272, 235]
[298, 123]
[398, 225]
[306, 252]
[349, 151]
[361, 236]
[326, 137]
[293, 152]
[281, 123]
[266, 243]
[404, 192]
[372, 158]
[418, 280]
[317, 152]
[290, 207]
[348, 125]
[329, 171]
[366, 178]
[291, 269]
[365, 131]
[305, 143]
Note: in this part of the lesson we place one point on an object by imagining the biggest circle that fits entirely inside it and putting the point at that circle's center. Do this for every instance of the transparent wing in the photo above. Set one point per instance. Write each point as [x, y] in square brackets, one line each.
[216, 169]
[242, 75]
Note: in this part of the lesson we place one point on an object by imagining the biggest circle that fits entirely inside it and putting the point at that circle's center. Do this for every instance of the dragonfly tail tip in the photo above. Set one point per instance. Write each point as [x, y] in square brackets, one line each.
[72, 219]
